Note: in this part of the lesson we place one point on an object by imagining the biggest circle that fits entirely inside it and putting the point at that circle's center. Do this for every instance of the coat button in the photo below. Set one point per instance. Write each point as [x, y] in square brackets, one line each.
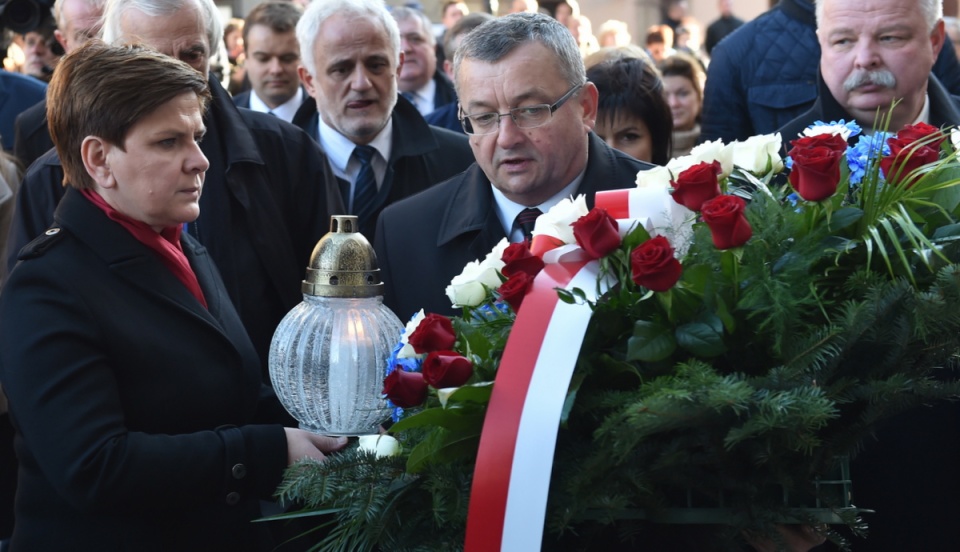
[52, 232]
[233, 499]
[239, 471]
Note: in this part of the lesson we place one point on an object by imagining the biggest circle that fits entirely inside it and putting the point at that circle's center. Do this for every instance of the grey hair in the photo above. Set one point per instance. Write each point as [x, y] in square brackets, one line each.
[404, 13]
[932, 11]
[496, 38]
[319, 11]
[58, 10]
[114, 10]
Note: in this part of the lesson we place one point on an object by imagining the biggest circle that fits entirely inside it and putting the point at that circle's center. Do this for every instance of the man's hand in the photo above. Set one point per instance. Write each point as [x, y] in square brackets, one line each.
[303, 444]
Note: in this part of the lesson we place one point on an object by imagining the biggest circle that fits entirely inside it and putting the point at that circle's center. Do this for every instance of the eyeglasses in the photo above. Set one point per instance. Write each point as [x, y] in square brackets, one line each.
[530, 116]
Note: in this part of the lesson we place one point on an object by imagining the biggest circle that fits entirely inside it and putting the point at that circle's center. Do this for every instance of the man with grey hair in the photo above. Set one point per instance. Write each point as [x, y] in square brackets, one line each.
[77, 21]
[874, 53]
[264, 202]
[421, 81]
[529, 112]
[378, 144]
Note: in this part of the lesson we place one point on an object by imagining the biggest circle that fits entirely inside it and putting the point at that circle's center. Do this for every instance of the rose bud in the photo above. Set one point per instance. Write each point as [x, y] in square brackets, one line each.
[513, 290]
[919, 131]
[728, 225]
[405, 389]
[446, 369]
[381, 445]
[904, 158]
[597, 233]
[435, 333]
[653, 265]
[697, 184]
[816, 165]
[518, 258]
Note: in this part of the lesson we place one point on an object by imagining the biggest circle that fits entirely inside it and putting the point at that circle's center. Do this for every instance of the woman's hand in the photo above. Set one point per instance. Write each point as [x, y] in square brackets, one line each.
[303, 444]
[793, 538]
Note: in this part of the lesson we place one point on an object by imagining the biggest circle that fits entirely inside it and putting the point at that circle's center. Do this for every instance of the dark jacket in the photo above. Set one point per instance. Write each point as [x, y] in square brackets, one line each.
[764, 74]
[420, 156]
[446, 117]
[445, 91]
[31, 136]
[134, 431]
[265, 204]
[909, 474]
[17, 93]
[944, 110]
[424, 241]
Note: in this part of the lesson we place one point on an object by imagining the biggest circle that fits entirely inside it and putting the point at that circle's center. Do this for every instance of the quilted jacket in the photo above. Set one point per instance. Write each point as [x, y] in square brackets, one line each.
[764, 74]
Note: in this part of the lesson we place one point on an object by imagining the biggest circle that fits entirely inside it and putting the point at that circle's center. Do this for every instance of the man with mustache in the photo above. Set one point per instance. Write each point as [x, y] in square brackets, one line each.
[874, 53]
[377, 143]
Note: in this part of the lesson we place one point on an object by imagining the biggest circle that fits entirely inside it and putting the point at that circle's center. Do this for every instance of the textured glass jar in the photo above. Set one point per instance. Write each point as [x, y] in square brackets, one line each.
[333, 353]
[328, 354]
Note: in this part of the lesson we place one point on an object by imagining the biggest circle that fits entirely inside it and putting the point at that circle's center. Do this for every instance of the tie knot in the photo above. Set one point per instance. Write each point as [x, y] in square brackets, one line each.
[364, 153]
[526, 221]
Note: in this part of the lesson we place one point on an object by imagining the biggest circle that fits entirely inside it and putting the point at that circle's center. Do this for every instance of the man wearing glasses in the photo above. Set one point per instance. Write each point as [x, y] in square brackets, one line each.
[529, 113]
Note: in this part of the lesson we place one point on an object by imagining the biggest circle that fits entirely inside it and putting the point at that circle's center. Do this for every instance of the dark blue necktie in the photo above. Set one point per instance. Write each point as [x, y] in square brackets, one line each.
[526, 220]
[365, 188]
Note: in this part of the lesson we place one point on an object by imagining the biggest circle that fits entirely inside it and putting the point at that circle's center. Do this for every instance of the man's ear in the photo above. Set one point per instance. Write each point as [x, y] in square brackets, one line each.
[60, 38]
[307, 79]
[399, 65]
[589, 98]
[937, 38]
[94, 152]
[448, 68]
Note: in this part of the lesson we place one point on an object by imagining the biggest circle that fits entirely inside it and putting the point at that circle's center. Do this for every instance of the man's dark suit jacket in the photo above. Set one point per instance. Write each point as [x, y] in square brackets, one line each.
[266, 202]
[445, 92]
[420, 156]
[446, 117]
[909, 475]
[134, 404]
[31, 136]
[424, 241]
[17, 94]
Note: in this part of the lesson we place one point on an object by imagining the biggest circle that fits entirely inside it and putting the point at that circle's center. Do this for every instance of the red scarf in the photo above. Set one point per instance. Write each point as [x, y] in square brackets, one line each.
[166, 243]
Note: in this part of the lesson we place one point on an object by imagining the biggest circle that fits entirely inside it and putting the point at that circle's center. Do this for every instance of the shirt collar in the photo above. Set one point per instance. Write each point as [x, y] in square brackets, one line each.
[425, 97]
[924, 116]
[507, 210]
[284, 111]
[339, 149]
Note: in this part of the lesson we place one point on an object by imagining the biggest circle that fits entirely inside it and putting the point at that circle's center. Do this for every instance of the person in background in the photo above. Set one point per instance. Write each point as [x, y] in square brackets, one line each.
[41, 50]
[142, 319]
[421, 82]
[722, 26]
[632, 114]
[379, 146]
[613, 33]
[659, 42]
[524, 6]
[272, 56]
[565, 11]
[9, 182]
[952, 26]
[765, 74]
[451, 12]
[529, 112]
[236, 59]
[621, 52]
[683, 89]
[448, 116]
[77, 22]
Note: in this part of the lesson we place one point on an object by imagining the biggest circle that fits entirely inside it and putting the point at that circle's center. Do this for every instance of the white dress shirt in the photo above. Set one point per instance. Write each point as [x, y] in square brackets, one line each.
[284, 111]
[345, 165]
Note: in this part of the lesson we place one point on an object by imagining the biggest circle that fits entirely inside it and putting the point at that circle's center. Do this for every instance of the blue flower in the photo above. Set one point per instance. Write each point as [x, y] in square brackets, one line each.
[860, 154]
[406, 364]
[853, 129]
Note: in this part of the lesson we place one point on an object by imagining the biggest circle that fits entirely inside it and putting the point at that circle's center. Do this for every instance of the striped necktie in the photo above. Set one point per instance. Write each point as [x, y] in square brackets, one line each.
[365, 188]
[526, 220]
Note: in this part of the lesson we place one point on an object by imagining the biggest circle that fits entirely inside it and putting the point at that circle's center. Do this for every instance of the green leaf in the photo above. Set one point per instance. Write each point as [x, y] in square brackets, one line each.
[948, 231]
[650, 342]
[844, 218]
[635, 237]
[443, 447]
[456, 419]
[475, 393]
[703, 339]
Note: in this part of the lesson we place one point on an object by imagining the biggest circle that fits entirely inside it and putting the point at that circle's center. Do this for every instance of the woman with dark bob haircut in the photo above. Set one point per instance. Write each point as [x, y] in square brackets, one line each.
[142, 422]
[632, 115]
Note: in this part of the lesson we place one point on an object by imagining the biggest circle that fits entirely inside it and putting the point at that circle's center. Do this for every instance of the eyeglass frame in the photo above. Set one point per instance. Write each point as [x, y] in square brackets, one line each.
[510, 113]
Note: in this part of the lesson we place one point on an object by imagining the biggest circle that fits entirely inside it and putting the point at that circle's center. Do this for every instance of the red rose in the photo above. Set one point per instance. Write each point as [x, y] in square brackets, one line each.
[446, 369]
[405, 389]
[919, 131]
[513, 290]
[518, 258]
[434, 333]
[904, 158]
[653, 265]
[728, 225]
[597, 233]
[816, 165]
[697, 184]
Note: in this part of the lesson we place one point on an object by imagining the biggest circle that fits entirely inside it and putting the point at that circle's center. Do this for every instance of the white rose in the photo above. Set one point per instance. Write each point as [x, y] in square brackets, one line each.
[754, 154]
[842, 130]
[407, 351]
[469, 288]
[955, 138]
[557, 221]
[381, 445]
[709, 152]
[656, 178]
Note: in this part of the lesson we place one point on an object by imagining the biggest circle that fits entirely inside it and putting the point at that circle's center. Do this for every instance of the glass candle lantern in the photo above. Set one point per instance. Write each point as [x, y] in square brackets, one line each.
[328, 354]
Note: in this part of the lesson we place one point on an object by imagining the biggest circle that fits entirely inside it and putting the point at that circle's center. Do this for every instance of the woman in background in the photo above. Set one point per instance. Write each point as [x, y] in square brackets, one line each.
[632, 115]
[683, 81]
